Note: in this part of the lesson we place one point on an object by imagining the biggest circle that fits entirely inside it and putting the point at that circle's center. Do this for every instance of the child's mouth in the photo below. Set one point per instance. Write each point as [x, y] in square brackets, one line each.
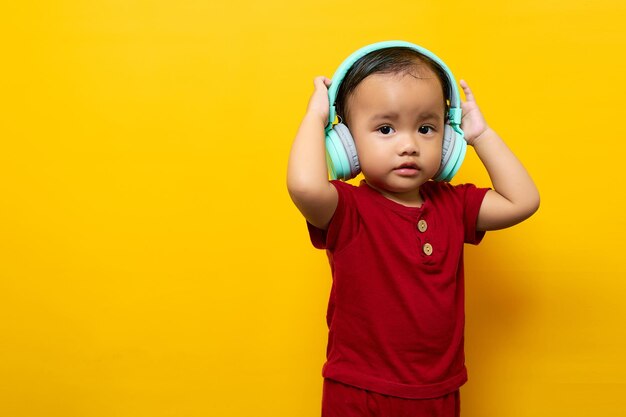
[407, 169]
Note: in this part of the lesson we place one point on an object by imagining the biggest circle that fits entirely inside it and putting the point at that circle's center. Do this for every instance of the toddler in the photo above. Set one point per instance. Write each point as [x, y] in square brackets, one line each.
[395, 242]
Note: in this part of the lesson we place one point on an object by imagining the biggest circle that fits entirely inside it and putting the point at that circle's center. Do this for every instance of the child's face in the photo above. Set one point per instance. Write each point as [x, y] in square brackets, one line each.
[397, 122]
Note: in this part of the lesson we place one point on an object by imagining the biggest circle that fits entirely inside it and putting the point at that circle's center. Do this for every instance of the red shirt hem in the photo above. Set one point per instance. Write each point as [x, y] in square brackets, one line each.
[395, 389]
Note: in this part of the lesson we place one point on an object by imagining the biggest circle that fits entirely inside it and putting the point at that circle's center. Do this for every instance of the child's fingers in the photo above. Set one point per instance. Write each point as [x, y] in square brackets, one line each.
[321, 82]
[469, 96]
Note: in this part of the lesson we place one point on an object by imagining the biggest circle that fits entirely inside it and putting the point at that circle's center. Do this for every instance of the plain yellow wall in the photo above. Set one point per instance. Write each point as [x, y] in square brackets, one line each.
[152, 264]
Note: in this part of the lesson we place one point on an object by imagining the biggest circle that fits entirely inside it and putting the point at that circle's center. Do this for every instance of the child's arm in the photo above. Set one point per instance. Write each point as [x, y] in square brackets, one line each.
[307, 174]
[515, 196]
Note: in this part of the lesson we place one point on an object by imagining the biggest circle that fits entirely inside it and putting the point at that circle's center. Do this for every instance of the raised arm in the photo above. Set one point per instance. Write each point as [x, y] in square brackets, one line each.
[515, 196]
[307, 174]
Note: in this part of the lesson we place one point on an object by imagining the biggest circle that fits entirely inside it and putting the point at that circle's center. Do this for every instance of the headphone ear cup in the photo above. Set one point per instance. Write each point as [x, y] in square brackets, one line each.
[341, 155]
[452, 155]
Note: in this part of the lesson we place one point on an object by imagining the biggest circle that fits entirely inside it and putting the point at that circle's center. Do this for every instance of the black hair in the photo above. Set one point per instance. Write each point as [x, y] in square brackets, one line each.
[395, 60]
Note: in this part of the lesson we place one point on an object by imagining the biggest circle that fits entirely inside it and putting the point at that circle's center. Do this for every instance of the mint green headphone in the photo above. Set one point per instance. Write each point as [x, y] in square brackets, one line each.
[341, 155]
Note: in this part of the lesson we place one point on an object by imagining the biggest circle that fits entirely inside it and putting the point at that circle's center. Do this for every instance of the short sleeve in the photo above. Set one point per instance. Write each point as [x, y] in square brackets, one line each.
[343, 224]
[472, 198]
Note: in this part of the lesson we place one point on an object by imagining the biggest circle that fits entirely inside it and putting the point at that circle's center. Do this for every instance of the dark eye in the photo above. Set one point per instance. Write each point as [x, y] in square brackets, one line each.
[424, 130]
[385, 130]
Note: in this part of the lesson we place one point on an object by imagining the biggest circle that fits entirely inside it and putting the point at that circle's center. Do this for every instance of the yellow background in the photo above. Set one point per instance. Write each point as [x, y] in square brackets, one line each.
[152, 264]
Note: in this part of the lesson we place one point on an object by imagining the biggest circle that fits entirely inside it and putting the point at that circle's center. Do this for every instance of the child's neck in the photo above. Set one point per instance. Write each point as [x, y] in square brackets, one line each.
[411, 198]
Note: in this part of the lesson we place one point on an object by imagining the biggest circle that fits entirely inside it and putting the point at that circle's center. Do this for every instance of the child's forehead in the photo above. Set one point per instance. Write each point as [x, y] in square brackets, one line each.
[399, 89]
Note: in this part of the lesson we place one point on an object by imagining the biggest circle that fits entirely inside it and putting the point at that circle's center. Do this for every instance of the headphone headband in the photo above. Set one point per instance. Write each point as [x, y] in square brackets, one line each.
[455, 99]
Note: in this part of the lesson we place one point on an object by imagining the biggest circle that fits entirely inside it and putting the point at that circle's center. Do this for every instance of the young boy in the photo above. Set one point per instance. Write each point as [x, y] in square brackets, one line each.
[395, 243]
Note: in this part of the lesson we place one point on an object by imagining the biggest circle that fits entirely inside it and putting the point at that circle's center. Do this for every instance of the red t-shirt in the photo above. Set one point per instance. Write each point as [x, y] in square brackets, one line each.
[396, 309]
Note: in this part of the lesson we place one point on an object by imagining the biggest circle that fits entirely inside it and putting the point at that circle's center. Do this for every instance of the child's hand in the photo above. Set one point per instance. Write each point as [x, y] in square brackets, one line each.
[319, 106]
[473, 123]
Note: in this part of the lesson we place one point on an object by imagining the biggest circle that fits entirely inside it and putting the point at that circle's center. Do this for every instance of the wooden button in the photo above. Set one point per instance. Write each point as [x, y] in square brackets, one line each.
[428, 249]
[422, 225]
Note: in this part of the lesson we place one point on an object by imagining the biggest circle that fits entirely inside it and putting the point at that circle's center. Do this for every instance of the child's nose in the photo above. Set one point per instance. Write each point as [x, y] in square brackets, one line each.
[408, 145]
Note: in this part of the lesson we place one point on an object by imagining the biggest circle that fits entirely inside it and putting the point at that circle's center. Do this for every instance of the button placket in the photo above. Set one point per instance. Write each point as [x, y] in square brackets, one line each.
[422, 226]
